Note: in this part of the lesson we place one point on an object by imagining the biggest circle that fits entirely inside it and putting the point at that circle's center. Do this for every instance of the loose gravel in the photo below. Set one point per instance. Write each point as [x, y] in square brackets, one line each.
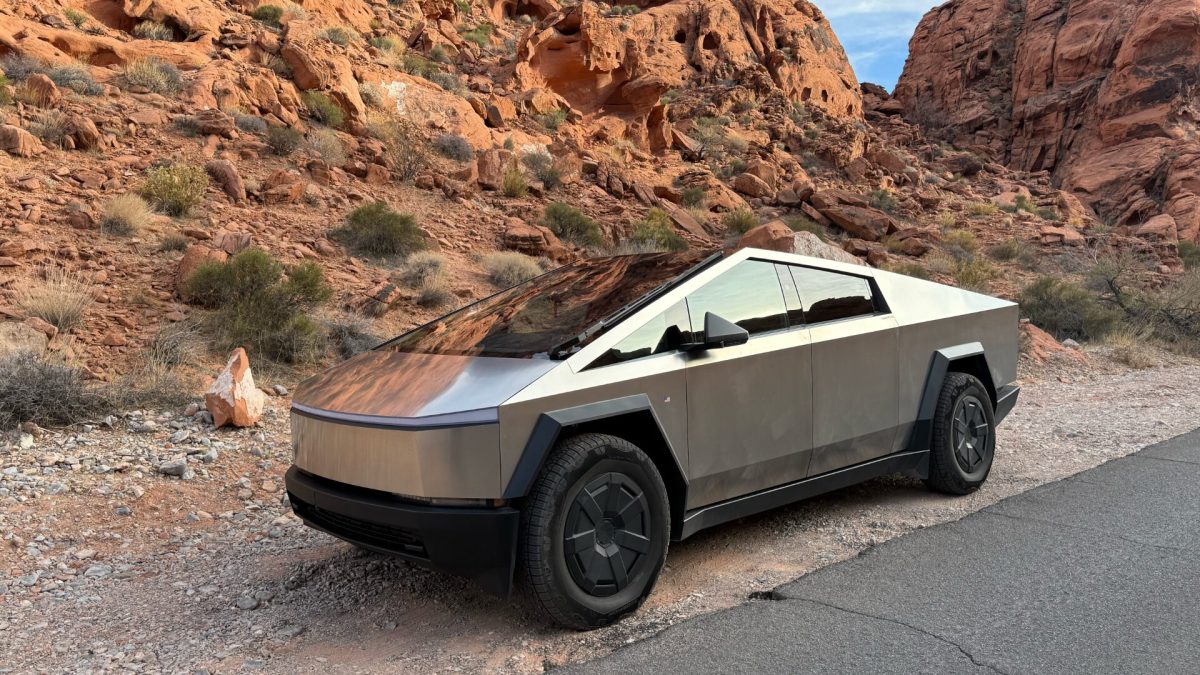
[153, 543]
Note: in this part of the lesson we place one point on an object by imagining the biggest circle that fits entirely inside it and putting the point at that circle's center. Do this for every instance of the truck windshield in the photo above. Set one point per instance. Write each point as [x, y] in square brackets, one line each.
[550, 316]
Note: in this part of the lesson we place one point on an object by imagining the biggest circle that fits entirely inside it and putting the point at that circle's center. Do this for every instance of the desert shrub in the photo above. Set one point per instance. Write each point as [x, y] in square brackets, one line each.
[1067, 310]
[153, 30]
[509, 268]
[1007, 250]
[349, 335]
[262, 305]
[571, 224]
[51, 126]
[453, 147]
[371, 94]
[961, 242]
[176, 189]
[1022, 203]
[76, 17]
[946, 220]
[376, 230]
[1190, 254]
[323, 109]
[480, 35]
[337, 35]
[802, 223]
[403, 146]
[973, 273]
[910, 269]
[76, 78]
[5, 94]
[982, 208]
[125, 215]
[60, 297]
[553, 119]
[268, 14]
[439, 54]
[279, 66]
[424, 267]
[448, 81]
[383, 44]
[18, 67]
[657, 232]
[155, 381]
[250, 123]
[283, 141]
[326, 145]
[514, 183]
[435, 294]
[48, 394]
[174, 241]
[186, 125]
[415, 64]
[1131, 347]
[543, 167]
[740, 221]
[884, 200]
[693, 197]
[158, 76]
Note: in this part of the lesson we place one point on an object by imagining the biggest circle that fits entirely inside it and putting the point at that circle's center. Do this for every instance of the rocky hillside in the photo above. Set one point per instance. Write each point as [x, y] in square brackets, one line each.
[1100, 95]
[375, 164]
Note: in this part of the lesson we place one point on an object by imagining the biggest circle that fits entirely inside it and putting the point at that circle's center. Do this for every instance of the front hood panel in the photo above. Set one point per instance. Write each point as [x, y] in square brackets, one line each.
[390, 385]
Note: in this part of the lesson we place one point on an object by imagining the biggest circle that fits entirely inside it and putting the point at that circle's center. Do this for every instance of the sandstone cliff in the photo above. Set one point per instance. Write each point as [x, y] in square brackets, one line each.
[1102, 94]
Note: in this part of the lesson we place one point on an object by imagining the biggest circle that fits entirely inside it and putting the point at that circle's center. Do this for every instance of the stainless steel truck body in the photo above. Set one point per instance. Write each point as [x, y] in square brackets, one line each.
[570, 423]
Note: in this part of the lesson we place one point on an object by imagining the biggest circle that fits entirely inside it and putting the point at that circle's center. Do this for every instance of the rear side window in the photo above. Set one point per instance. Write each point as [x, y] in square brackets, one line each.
[666, 332]
[829, 296]
[748, 295]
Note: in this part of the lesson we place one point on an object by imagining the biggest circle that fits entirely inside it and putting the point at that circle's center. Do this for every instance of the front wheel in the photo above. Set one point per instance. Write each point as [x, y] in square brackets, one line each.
[594, 531]
[964, 436]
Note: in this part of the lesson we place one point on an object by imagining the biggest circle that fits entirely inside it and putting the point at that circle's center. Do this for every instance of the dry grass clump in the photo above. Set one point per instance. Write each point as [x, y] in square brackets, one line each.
[337, 35]
[350, 335]
[514, 183]
[60, 297]
[326, 145]
[33, 389]
[376, 230]
[51, 126]
[323, 109]
[125, 215]
[153, 30]
[435, 294]
[509, 268]
[424, 267]
[174, 241]
[1132, 348]
[453, 146]
[283, 141]
[571, 224]
[176, 189]
[740, 221]
[657, 232]
[404, 148]
[158, 76]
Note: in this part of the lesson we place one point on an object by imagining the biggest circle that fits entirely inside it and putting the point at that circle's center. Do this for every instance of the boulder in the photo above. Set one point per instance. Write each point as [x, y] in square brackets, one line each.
[1062, 236]
[195, 256]
[214, 123]
[772, 236]
[534, 240]
[42, 91]
[500, 112]
[17, 336]
[233, 398]
[491, 165]
[226, 175]
[809, 244]
[19, 143]
[863, 222]
[752, 186]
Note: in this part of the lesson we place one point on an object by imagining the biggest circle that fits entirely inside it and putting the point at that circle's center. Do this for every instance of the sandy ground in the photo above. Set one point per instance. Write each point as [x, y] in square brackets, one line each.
[212, 573]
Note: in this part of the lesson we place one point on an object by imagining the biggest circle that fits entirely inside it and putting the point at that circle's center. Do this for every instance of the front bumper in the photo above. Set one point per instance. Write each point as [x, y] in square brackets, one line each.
[479, 543]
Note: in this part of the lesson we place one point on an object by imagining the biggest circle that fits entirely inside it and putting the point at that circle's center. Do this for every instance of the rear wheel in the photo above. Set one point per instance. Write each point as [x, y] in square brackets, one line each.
[594, 531]
[964, 436]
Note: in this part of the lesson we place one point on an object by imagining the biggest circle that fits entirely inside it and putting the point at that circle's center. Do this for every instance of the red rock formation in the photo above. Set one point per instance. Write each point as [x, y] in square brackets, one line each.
[620, 66]
[233, 398]
[1102, 94]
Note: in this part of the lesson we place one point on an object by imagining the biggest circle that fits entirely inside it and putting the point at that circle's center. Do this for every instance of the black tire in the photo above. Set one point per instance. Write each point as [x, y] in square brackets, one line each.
[575, 487]
[964, 436]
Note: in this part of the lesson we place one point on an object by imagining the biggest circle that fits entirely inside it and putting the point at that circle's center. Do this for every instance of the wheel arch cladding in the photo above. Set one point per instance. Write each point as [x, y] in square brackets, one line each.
[966, 358]
[631, 418]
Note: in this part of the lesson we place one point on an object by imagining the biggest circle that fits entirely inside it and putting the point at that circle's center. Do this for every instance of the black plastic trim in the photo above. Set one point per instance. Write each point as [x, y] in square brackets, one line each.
[466, 418]
[922, 433]
[479, 543]
[748, 505]
[1006, 400]
[549, 426]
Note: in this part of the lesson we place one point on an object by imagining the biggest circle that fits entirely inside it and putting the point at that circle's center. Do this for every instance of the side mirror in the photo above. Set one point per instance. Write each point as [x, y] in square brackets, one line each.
[718, 333]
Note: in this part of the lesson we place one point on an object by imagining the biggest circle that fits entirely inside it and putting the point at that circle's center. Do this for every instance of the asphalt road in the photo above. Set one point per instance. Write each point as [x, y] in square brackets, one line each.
[1098, 573]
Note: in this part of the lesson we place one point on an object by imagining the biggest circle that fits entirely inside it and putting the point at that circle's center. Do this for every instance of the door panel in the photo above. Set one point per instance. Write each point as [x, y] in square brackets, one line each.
[749, 426]
[855, 391]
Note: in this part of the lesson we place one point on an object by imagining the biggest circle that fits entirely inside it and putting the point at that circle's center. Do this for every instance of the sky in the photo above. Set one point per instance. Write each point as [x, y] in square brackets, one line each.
[875, 34]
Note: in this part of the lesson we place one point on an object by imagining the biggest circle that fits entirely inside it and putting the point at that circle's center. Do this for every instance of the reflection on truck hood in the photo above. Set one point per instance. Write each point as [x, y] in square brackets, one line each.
[380, 386]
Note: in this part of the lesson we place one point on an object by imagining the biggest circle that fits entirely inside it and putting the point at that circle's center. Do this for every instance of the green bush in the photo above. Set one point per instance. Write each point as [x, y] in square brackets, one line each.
[553, 119]
[158, 76]
[740, 221]
[693, 197]
[1009, 249]
[514, 183]
[268, 14]
[176, 189]
[480, 35]
[656, 231]
[1067, 310]
[454, 147]
[5, 93]
[571, 224]
[75, 78]
[337, 35]
[961, 241]
[261, 305]
[376, 230]
[323, 109]
[509, 268]
[883, 200]
[1189, 252]
[543, 167]
[383, 44]
[283, 141]
[76, 17]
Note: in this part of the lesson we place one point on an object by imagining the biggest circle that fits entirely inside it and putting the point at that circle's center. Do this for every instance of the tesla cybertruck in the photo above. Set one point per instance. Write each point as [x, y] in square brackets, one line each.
[572, 426]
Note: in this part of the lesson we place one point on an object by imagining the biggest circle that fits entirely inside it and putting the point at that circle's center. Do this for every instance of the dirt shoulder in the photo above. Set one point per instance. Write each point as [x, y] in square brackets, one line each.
[109, 564]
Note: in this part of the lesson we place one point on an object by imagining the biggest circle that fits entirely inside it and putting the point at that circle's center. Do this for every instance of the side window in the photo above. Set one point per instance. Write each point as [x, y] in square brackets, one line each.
[664, 333]
[748, 295]
[828, 296]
